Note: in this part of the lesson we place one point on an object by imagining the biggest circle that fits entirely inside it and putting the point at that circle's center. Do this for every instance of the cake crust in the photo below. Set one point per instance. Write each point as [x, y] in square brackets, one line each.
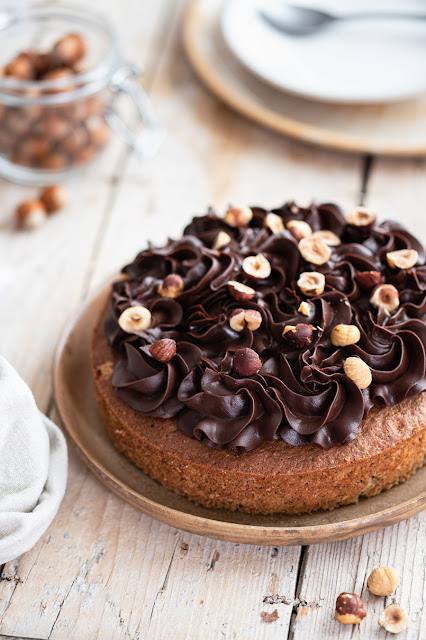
[275, 477]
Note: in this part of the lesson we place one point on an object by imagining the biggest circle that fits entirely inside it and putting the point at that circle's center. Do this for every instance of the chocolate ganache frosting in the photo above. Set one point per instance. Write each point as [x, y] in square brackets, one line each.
[286, 324]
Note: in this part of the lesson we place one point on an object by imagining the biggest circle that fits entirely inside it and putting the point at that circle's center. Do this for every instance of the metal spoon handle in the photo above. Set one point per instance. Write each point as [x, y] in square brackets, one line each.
[383, 15]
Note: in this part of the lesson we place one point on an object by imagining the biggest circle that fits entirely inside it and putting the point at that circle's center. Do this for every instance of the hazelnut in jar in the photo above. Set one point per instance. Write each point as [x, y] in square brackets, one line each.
[58, 99]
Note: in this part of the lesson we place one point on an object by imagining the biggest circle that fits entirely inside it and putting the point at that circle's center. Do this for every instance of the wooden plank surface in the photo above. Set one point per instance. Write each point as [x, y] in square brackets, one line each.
[103, 570]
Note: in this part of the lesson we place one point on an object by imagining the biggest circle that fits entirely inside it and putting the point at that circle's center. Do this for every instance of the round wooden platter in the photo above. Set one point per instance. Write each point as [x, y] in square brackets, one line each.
[397, 129]
[75, 398]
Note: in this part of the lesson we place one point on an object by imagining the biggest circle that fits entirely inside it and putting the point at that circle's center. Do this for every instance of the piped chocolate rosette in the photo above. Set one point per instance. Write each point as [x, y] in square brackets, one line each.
[260, 325]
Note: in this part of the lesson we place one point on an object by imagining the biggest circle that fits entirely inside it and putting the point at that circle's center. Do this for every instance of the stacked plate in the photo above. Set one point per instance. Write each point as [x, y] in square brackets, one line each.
[358, 83]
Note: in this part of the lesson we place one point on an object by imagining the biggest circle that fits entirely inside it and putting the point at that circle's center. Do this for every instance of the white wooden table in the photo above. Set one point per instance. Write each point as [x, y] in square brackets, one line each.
[103, 570]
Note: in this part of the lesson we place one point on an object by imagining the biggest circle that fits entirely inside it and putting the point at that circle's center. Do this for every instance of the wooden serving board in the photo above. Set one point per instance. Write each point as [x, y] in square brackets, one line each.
[75, 398]
[397, 129]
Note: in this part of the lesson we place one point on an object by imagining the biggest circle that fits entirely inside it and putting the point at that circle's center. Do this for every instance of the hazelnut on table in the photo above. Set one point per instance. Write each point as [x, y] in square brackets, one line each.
[349, 608]
[383, 581]
[394, 619]
[54, 197]
[31, 214]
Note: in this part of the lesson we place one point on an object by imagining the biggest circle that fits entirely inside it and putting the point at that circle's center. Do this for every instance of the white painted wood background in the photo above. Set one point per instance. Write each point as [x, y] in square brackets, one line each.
[103, 570]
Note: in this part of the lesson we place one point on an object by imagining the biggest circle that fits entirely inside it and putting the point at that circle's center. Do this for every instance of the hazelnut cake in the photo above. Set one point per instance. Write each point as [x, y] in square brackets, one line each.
[270, 361]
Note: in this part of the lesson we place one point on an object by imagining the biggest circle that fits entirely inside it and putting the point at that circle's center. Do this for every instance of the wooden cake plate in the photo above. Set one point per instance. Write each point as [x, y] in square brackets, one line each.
[75, 398]
[396, 129]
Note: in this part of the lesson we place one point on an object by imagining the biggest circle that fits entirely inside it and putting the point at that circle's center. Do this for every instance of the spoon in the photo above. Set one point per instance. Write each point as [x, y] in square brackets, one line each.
[298, 20]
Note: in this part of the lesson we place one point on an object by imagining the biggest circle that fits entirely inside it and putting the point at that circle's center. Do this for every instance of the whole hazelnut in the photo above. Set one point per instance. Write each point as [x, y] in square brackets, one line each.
[76, 140]
[402, 259]
[383, 581]
[84, 155]
[20, 67]
[63, 73]
[54, 197]
[68, 50]
[32, 112]
[311, 283]
[31, 214]
[171, 287]
[246, 362]
[314, 250]
[328, 237]
[242, 318]
[299, 335]
[221, 240]
[240, 291]
[369, 279]
[274, 223]
[394, 619]
[343, 335]
[134, 319]
[54, 160]
[257, 267]
[361, 217]
[349, 608]
[34, 148]
[358, 371]
[53, 127]
[94, 106]
[7, 139]
[17, 122]
[98, 133]
[385, 297]
[299, 229]
[238, 216]
[163, 350]
[22, 159]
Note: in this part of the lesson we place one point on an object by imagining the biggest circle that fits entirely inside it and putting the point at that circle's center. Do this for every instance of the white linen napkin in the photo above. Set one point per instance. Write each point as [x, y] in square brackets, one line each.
[33, 466]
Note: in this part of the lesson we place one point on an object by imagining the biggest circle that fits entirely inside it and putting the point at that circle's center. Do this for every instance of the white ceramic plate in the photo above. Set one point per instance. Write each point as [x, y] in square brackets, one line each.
[365, 61]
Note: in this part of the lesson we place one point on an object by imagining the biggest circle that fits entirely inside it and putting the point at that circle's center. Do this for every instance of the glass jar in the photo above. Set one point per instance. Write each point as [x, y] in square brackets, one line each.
[54, 125]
